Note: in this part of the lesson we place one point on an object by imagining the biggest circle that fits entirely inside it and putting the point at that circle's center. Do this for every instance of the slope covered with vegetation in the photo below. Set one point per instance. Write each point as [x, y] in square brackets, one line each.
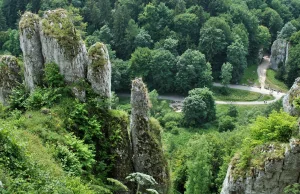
[52, 143]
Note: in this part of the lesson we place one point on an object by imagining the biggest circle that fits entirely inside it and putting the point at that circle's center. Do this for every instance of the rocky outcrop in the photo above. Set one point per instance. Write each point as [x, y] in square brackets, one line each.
[9, 76]
[273, 177]
[288, 99]
[62, 44]
[148, 157]
[32, 50]
[99, 70]
[279, 53]
[121, 149]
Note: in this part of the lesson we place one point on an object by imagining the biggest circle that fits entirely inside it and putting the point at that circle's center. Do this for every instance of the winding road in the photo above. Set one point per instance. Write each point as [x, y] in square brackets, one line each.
[261, 71]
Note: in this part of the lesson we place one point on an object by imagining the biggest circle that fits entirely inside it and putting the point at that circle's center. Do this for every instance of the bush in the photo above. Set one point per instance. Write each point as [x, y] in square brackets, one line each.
[279, 126]
[171, 125]
[42, 97]
[18, 97]
[226, 123]
[52, 75]
[232, 111]
[172, 116]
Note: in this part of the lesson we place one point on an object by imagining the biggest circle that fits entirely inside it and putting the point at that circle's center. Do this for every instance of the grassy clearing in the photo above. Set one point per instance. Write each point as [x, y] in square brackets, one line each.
[250, 76]
[239, 95]
[274, 83]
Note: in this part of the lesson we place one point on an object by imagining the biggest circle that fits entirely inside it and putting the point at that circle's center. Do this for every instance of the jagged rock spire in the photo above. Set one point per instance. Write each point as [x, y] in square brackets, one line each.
[148, 157]
[99, 70]
[32, 50]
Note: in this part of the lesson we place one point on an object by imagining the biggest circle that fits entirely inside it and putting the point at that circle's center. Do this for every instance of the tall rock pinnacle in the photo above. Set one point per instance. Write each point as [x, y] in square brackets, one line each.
[32, 49]
[62, 44]
[148, 155]
[99, 70]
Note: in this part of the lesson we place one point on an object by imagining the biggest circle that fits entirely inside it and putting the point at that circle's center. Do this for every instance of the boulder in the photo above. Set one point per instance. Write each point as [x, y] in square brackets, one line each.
[30, 44]
[148, 156]
[99, 70]
[9, 77]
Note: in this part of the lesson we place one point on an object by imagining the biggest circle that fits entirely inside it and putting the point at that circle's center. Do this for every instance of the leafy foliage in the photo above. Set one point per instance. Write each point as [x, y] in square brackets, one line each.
[199, 107]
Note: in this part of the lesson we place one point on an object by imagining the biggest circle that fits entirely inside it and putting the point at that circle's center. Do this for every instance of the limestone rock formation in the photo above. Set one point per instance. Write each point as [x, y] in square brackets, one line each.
[288, 99]
[272, 178]
[122, 152]
[279, 53]
[62, 44]
[32, 49]
[148, 156]
[9, 76]
[99, 70]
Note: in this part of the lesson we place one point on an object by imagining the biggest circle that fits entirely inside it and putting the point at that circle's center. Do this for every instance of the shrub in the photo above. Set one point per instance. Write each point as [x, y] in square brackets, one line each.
[279, 126]
[232, 111]
[172, 116]
[226, 123]
[42, 97]
[52, 75]
[18, 97]
[171, 125]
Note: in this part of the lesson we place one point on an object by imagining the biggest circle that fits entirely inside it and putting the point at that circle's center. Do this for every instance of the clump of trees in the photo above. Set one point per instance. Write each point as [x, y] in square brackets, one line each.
[186, 39]
[199, 107]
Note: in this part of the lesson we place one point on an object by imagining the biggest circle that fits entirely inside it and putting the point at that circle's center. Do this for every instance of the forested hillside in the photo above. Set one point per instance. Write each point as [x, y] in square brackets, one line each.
[63, 129]
[156, 39]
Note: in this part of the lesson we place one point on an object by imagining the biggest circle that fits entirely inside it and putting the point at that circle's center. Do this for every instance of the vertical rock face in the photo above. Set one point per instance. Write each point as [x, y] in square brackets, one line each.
[279, 53]
[288, 99]
[32, 49]
[62, 44]
[99, 70]
[122, 152]
[9, 76]
[148, 155]
[275, 175]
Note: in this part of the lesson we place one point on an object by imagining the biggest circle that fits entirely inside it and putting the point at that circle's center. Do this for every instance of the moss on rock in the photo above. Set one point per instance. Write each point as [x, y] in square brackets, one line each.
[98, 55]
[29, 22]
[58, 25]
[9, 76]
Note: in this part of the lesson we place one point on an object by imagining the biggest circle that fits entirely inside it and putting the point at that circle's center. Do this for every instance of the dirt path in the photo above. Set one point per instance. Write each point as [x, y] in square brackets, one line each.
[262, 71]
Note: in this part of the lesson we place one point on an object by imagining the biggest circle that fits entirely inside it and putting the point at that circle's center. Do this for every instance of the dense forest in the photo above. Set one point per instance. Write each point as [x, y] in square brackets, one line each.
[156, 39]
[175, 46]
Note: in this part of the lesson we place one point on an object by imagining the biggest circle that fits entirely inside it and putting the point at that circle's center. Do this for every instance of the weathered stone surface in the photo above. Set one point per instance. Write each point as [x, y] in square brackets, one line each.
[32, 50]
[148, 155]
[62, 44]
[99, 70]
[279, 53]
[121, 150]
[289, 98]
[272, 178]
[9, 76]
